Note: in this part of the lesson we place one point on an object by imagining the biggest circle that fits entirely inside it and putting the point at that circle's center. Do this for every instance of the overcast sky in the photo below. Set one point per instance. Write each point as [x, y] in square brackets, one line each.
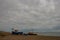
[40, 15]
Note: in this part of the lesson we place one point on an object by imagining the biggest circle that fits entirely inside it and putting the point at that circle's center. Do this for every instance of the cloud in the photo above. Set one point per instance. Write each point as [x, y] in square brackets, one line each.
[57, 27]
[27, 14]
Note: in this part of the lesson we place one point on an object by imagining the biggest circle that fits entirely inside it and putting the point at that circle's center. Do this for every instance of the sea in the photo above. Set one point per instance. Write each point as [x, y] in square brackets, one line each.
[49, 33]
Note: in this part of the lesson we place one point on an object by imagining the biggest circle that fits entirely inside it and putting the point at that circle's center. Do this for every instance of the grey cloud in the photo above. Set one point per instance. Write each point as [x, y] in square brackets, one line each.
[27, 14]
[56, 27]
